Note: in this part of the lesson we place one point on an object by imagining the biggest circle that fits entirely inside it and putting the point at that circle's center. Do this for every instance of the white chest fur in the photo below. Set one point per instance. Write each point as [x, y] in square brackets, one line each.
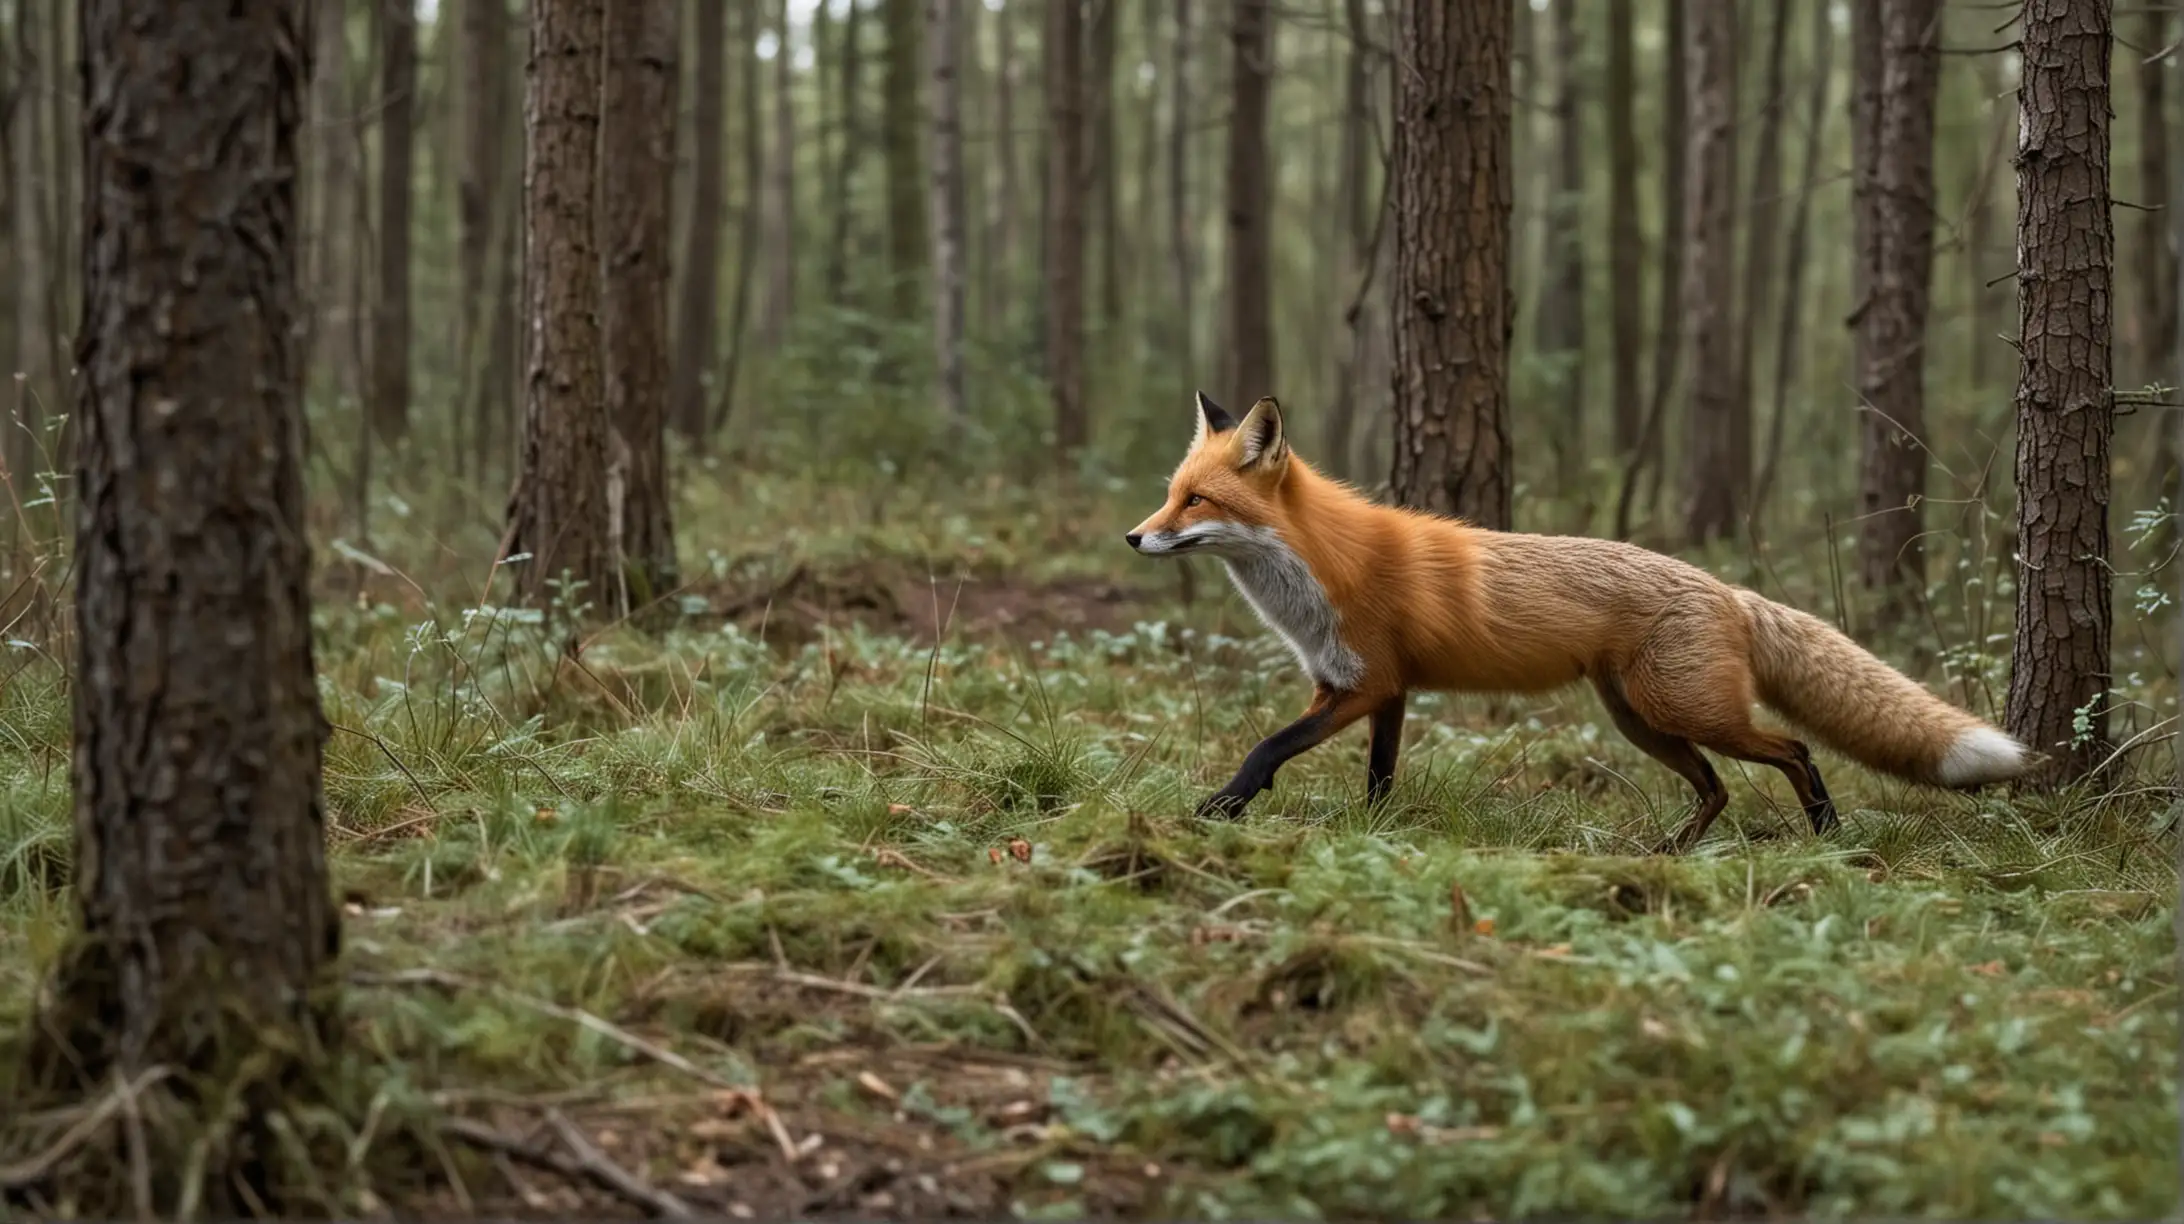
[1281, 589]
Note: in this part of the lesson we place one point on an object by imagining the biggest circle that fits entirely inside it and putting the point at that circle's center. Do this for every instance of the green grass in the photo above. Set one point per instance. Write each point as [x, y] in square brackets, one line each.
[942, 905]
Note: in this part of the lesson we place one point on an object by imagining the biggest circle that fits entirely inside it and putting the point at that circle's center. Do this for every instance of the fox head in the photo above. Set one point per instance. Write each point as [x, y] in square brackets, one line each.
[1223, 499]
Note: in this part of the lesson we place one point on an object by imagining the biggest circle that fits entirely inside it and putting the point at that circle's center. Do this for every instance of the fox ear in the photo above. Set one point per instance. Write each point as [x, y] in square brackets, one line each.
[1260, 441]
[1212, 419]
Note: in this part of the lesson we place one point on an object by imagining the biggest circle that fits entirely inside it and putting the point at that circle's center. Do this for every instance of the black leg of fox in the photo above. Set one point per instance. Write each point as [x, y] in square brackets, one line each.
[1329, 712]
[1387, 733]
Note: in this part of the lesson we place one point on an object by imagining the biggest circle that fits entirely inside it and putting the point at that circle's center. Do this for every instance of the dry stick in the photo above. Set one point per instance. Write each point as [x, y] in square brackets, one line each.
[600, 1168]
[588, 1162]
[26, 1173]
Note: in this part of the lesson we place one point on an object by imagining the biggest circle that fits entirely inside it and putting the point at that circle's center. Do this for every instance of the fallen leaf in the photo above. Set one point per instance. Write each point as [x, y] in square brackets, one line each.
[899, 809]
[1557, 950]
[1403, 1124]
[546, 816]
[1992, 968]
[1484, 926]
[994, 853]
[1021, 849]
[876, 1086]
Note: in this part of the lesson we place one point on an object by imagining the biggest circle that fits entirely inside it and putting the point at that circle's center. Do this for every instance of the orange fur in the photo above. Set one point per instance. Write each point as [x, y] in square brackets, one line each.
[1433, 603]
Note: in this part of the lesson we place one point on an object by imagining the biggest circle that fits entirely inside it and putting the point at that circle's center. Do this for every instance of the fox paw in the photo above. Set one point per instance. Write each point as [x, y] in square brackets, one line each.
[1222, 805]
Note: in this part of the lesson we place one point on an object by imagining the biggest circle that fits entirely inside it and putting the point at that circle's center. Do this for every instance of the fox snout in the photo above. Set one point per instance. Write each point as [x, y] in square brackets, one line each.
[1134, 539]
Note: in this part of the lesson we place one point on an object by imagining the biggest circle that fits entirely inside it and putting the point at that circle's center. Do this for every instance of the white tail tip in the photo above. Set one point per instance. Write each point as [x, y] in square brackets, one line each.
[1982, 755]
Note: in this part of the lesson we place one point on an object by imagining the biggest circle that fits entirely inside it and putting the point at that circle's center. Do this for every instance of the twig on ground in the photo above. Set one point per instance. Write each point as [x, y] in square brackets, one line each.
[26, 1173]
[585, 1161]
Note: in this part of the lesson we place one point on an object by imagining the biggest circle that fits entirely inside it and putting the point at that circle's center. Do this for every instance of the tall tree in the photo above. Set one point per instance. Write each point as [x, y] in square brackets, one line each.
[1064, 274]
[204, 923]
[1792, 306]
[906, 233]
[1453, 306]
[1357, 213]
[481, 127]
[1180, 111]
[1895, 123]
[749, 230]
[1250, 205]
[943, 39]
[696, 316]
[397, 22]
[32, 246]
[636, 165]
[1562, 298]
[1105, 180]
[1764, 224]
[1668, 335]
[1718, 448]
[2059, 670]
[559, 518]
[2157, 258]
[1002, 206]
[848, 156]
[1626, 251]
[781, 187]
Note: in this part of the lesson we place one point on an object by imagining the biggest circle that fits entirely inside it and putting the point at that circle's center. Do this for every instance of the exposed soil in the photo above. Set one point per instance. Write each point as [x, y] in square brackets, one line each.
[792, 610]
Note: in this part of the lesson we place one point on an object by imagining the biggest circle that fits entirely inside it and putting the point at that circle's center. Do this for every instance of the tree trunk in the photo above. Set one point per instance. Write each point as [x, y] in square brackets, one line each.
[1793, 308]
[1065, 221]
[781, 279]
[2059, 672]
[1002, 207]
[1979, 223]
[1764, 228]
[205, 928]
[1668, 336]
[478, 189]
[1626, 249]
[1891, 318]
[907, 235]
[559, 518]
[1719, 470]
[33, 250]
[1355, 225]
[1250, 199]
[1179, 190]
[1453, 306]
[847, 158]
[747, 256]
[696, 316]
[1100, 108]
[943, 31]
[637, 164]
[1562, 296]
[397, 23]
[2158, 260]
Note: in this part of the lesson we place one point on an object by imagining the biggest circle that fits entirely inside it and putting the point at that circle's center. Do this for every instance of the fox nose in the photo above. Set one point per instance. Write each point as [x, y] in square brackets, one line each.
[1133, 538]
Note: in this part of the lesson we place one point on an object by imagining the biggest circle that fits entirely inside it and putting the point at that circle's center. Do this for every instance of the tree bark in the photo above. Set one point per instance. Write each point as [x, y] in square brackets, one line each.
[943, 36]
[1250, 238]
[1453, 306]
[1718, 450]
[482, 131]
[1562, 297]
[2157, 259]
[1668, 336]
[1898, 245]
[1792, 310]
[696, 316]
[1355, 213]
[748, 255]
[397, 24]
[1179, 189]
[1002, 211]
[204, 924]
[1764, 228]
[2059, 671]
[1065, 221]
[847, 158]
[1100, 110]
[907, 235]
[559, 517]
[1626, 249]
[637, 165]
[781, 279]
[32, 247]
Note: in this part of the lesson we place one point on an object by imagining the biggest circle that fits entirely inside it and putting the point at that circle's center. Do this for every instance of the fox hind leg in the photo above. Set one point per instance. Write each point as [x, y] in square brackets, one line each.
[1387, 744]
[1678, 754]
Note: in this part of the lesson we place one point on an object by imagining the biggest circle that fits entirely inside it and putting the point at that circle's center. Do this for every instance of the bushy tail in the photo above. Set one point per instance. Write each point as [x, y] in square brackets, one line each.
[1867, 710]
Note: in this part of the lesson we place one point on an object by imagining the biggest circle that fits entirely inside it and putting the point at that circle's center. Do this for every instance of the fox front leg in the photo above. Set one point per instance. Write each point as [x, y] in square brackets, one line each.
[1329, 712]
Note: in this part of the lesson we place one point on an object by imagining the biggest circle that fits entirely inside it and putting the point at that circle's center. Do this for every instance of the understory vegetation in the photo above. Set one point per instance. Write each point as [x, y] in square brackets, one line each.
[781, 902]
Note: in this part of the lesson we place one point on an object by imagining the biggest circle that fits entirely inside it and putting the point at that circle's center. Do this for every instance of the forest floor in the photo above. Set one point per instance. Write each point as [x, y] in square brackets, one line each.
[863, 882]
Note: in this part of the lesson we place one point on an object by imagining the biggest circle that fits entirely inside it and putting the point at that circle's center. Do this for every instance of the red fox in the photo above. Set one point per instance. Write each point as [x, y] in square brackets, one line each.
[1378, 601]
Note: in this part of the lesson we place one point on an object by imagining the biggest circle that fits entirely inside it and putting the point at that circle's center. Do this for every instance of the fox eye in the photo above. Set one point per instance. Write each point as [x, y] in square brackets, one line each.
[1192, 500]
